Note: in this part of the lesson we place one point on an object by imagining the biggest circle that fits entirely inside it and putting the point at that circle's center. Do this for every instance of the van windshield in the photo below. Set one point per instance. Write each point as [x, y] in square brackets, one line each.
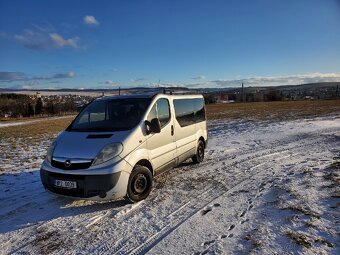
[110, 115]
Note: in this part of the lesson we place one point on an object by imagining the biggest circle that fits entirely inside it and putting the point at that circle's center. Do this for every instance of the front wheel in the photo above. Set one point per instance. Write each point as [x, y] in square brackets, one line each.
[140, 184]
[199, 156]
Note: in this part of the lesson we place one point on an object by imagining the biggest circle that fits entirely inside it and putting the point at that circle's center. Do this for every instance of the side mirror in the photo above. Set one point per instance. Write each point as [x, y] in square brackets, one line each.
[153, 127]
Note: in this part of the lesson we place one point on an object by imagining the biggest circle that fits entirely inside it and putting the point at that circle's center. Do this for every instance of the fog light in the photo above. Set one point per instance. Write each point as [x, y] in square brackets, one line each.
[102, 194]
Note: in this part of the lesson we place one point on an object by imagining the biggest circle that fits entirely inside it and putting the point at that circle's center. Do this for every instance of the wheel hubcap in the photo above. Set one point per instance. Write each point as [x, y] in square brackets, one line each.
[200, 152]
[140, 183]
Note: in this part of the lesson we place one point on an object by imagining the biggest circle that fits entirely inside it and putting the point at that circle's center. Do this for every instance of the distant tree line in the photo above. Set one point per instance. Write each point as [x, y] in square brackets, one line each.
[272, 94]
[17, 105]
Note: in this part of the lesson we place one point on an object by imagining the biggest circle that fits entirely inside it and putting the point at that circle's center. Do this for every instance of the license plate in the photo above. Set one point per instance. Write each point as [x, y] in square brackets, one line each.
[65, 184]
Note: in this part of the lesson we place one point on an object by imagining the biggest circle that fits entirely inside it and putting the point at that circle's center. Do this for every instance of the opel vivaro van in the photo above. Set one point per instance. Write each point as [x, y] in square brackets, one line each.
[116, 145]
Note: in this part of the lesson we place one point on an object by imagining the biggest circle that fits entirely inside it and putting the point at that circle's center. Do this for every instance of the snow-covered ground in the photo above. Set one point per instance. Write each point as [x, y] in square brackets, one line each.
[264, 188]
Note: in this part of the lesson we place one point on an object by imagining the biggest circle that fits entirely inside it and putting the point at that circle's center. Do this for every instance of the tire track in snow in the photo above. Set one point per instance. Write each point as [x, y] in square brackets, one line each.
[186, 211]
[82, 224]
[211, 245]
[257, 155]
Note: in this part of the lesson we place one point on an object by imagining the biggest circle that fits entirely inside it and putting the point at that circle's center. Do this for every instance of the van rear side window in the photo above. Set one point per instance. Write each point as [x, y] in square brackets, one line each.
[189, 111]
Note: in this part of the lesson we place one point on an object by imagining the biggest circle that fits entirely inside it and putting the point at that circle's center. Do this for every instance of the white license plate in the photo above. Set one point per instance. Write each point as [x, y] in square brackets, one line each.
[65, 184]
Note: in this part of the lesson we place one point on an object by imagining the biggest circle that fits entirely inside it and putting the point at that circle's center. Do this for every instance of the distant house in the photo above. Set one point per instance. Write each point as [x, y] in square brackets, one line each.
[224, 98]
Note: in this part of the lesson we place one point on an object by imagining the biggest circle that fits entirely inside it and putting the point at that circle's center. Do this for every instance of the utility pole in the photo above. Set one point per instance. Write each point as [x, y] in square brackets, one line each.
[119, 91]
[242, 93]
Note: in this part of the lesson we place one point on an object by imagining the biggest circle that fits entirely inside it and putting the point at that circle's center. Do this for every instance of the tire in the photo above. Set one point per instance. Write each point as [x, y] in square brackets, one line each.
[140, 184]
[199, 156]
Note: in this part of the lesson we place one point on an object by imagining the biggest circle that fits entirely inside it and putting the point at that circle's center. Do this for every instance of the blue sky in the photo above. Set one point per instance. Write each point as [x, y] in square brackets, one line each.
[107, 44]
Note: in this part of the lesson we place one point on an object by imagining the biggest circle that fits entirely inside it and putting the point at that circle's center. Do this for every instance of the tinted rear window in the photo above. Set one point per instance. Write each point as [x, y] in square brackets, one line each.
[189, 111]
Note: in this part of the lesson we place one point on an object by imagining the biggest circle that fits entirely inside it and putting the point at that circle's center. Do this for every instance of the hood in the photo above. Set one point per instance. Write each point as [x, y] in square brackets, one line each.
[85, 145]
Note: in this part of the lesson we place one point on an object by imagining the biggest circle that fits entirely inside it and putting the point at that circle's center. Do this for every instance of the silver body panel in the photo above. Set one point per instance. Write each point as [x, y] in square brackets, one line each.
[77, 145]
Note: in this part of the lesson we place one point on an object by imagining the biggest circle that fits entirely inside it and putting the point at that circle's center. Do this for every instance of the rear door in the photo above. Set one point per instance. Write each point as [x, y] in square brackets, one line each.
[161, 146]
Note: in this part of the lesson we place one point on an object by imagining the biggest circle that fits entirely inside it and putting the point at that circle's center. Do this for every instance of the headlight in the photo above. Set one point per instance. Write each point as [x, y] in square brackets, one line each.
[50, 152]
[108, 152]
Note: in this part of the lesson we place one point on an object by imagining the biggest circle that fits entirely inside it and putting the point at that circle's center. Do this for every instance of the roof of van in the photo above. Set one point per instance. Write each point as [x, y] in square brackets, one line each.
[144, 96]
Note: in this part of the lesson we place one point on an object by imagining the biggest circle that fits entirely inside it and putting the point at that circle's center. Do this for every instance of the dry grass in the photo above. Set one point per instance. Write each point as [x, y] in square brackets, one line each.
[305, 240]
[48, 127]
[282, 110]
[304, 210]
[24, 119]
[300, 239]
[256, 244]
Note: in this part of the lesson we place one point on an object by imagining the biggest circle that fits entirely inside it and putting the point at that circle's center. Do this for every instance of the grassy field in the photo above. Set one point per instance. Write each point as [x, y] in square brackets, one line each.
[24, 119]
[282, 110]
[24, 147]
[46, 127]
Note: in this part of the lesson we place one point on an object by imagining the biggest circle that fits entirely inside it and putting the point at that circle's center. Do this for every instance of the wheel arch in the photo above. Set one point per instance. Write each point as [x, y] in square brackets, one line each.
[202, 139]
[146, 163]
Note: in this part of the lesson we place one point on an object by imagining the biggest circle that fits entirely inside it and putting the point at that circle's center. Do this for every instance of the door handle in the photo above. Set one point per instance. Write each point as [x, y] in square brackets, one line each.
[172, 129]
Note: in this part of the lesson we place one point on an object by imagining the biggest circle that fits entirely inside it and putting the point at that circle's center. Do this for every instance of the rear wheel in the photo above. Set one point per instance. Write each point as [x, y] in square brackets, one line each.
[199, 156]
[140, 184]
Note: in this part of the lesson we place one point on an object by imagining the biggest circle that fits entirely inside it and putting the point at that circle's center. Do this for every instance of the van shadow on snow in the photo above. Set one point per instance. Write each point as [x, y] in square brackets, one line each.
[25, 203]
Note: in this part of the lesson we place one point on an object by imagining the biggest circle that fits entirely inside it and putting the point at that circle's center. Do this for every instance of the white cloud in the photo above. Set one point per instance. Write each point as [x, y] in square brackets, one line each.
[38, 38]
[70, 74]
[109, 82]
[61, 42]
[138, 80]
[201, 77]
[90, 20]
[34, 39]
[26, 87]
[18, 76]
[12, 76]
[278, 80]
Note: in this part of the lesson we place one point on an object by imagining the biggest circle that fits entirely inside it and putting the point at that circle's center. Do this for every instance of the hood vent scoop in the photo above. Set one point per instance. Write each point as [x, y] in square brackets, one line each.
[99, 136]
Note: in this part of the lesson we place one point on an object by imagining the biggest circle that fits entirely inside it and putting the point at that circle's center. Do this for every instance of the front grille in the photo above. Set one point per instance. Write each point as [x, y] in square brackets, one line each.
[73, 166]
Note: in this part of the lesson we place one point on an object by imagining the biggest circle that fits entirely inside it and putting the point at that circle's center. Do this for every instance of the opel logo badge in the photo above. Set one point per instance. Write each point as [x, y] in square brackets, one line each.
[67, 163]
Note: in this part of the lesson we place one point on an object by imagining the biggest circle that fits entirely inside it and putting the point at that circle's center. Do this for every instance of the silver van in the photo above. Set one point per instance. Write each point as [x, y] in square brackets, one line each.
[116, 145]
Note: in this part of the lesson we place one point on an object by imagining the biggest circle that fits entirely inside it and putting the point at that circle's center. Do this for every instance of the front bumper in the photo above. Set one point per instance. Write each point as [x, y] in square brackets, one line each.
[101, 184]
[88, 186]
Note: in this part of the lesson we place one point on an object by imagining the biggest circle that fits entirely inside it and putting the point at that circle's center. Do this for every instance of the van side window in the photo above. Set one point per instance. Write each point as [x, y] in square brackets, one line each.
[160, 110]
[199, 110]
[189, 111]
[153, 113]
[163, 111]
